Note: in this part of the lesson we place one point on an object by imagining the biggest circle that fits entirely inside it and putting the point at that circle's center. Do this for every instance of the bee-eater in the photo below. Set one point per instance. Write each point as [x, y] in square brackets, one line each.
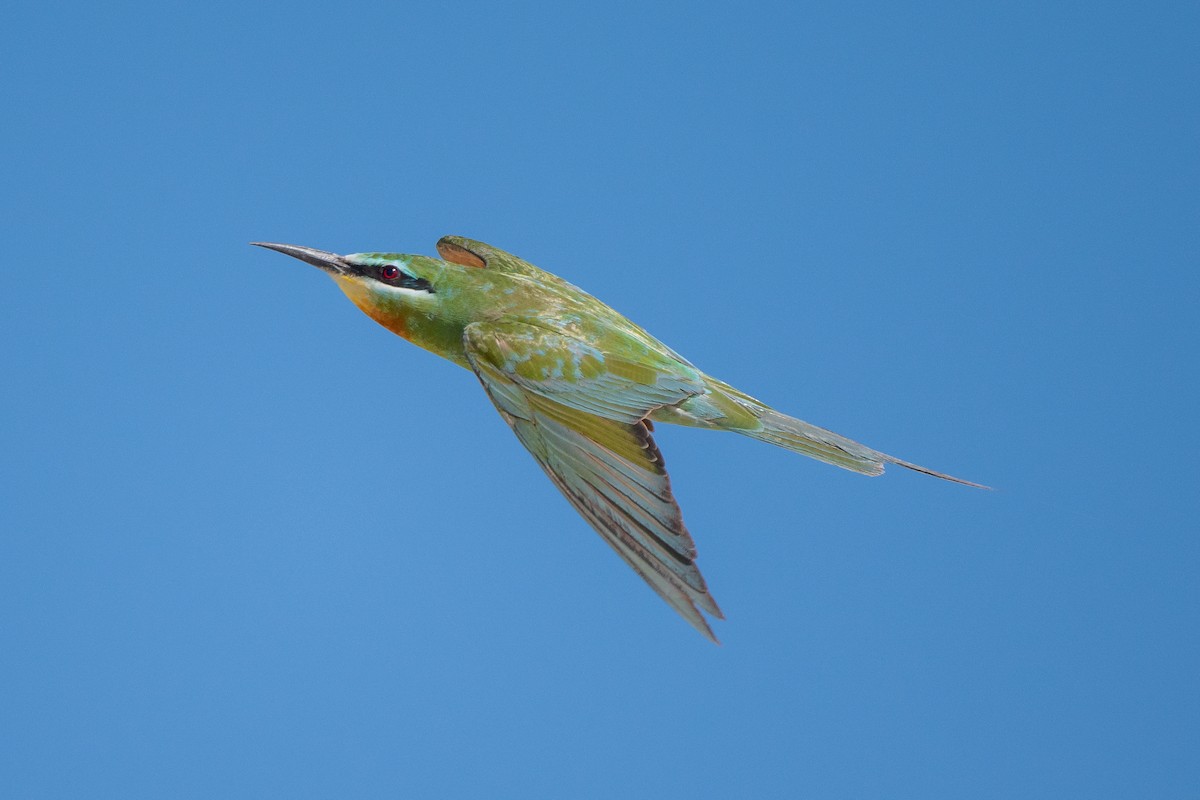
[581, 386]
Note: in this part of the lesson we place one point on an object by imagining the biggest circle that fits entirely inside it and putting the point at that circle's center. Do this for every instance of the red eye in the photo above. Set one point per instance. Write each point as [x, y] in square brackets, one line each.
[390, 272]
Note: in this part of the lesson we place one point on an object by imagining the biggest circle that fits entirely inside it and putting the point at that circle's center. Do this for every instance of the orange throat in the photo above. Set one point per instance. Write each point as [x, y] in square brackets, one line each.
[389, 318]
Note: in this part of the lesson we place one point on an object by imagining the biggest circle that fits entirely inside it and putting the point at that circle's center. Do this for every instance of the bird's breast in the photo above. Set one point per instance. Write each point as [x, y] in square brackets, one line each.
[424, 324]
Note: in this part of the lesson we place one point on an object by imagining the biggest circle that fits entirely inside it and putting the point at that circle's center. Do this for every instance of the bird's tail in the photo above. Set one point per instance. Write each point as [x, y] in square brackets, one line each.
[760, 421]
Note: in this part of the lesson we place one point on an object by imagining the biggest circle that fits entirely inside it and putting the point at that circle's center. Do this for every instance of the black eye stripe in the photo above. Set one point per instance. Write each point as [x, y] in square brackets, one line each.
[394, 276]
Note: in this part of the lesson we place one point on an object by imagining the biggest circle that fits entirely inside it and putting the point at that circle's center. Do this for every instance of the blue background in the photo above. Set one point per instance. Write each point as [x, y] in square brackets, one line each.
[253, 545]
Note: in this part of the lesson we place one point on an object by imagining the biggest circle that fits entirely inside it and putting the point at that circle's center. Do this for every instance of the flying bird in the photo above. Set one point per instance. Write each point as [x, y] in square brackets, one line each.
[582, 387]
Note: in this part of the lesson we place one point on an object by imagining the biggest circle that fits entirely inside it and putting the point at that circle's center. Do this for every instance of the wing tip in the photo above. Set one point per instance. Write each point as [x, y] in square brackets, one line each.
[700, 622]
[452, 249]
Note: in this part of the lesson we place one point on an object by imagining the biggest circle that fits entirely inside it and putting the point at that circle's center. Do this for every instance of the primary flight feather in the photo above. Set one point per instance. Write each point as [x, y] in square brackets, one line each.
[581, 387]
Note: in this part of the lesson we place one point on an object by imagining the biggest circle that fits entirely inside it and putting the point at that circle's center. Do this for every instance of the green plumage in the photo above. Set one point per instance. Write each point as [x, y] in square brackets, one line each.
[580, 385]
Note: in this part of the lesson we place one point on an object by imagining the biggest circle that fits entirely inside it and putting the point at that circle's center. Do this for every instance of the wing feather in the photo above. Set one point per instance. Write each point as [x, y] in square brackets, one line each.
[612, 472]
[579, 375]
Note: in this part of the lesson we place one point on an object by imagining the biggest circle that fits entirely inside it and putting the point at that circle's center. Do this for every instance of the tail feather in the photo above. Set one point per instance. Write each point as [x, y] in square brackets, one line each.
[927, 471]
[801, 437]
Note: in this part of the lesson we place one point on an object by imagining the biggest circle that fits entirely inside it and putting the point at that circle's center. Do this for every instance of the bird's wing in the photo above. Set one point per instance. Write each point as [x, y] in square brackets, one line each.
[609, 469]
[470, 253]
[581, 376]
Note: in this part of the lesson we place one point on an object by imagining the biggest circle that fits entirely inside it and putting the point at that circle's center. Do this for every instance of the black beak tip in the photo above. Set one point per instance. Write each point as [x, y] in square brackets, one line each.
[330, 262]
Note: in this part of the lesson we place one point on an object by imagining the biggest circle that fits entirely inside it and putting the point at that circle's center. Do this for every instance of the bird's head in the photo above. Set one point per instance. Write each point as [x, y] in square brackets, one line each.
[388, 287]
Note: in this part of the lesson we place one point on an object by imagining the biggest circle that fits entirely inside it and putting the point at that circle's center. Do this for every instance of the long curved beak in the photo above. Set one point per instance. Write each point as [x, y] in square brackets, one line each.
[330, 262]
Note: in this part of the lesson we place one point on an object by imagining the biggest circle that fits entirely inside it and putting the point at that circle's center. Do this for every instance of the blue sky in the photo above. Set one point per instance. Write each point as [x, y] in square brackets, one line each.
[252, 545]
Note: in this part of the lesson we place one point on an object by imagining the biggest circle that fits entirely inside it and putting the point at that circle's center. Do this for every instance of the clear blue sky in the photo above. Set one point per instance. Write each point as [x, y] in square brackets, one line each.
[252, 545]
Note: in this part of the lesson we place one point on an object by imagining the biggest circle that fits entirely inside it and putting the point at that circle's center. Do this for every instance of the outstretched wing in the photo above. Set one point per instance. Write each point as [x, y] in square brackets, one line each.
[579, 375]
[608, 468]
